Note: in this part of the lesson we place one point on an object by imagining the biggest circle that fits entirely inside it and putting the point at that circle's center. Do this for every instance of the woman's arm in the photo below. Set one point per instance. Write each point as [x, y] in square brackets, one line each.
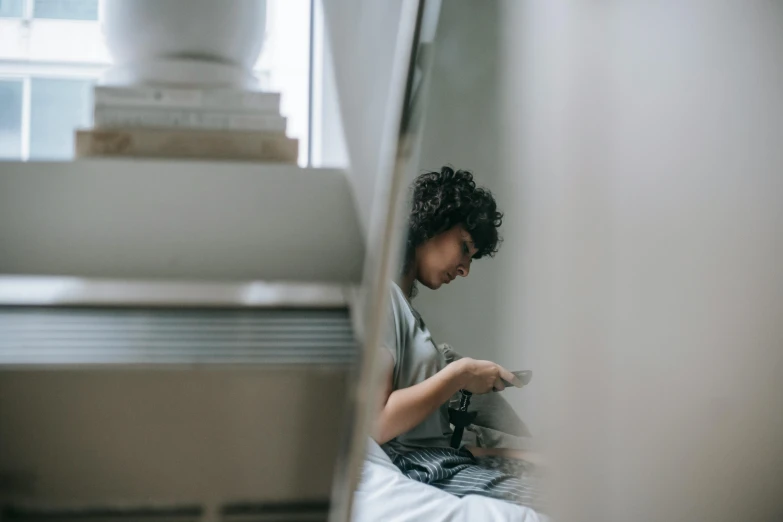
[402, 410]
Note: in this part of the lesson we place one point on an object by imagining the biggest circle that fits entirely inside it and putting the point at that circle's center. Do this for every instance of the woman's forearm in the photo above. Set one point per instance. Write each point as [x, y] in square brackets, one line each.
[406, 408]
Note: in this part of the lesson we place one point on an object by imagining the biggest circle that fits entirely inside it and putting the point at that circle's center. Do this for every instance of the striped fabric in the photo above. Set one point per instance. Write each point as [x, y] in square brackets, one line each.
[459, 473]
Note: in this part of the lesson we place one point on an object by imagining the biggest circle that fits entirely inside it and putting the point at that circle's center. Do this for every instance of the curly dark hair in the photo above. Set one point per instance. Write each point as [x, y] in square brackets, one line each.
[441, 200]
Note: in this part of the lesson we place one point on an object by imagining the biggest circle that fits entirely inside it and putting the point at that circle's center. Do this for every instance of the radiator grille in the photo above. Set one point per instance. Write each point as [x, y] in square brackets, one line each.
[103, 514]
[307, 511]
[32, 336]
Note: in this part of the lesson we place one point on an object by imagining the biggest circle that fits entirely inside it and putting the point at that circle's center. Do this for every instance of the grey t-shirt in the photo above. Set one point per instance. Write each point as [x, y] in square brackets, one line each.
[416, 358]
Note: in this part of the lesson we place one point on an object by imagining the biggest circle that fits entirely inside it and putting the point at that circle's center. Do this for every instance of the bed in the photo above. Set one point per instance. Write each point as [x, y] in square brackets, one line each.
[386, 495]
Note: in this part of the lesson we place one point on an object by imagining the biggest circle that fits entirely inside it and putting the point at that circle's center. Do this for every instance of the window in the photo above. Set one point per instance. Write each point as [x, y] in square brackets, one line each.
[10, 118]
[11, 8]
[52, 53]
[66, 9]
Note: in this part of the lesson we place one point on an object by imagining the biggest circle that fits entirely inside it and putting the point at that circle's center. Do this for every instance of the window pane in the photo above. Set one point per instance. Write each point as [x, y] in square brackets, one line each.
[11, 8]
[10, 119]
[57, 107]
[286, 57]
[66, 41]
[66, 9]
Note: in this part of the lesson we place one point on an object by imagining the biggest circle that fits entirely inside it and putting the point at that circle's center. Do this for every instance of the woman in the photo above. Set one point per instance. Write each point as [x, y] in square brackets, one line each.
[452, 222]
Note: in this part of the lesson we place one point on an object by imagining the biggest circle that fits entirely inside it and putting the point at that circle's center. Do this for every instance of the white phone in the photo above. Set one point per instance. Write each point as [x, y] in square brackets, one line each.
[523, 375]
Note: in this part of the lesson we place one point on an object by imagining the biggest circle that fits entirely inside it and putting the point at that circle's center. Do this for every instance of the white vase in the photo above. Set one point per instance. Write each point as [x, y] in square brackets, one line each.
[205, 42]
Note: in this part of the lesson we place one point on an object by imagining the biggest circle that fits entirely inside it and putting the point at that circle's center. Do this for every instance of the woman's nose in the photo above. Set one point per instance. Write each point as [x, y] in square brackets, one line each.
[463, 270]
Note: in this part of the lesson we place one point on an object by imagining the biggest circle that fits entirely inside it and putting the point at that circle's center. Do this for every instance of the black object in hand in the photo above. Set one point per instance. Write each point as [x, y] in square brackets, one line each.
[461, 418]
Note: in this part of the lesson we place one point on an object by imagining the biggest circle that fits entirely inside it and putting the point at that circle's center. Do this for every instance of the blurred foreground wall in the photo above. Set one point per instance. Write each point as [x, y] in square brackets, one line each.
[645, 153]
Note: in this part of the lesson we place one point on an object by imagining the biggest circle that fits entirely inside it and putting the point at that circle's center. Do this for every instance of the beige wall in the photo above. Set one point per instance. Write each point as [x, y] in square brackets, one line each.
[169, 435]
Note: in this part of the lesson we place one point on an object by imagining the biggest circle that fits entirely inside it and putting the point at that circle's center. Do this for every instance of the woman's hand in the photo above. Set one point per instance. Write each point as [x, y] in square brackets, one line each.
[482, 376]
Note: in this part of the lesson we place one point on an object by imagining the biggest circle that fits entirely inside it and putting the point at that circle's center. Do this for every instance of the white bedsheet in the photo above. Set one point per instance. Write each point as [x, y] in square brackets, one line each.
[386, 495]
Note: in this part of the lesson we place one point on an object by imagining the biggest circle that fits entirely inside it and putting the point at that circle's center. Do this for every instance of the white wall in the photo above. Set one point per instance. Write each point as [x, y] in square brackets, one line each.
[370, 64]
[462, 129]
[329, 149]
[649, 291]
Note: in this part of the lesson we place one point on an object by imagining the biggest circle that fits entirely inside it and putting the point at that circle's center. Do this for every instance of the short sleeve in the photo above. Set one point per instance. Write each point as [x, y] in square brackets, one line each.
[394, 337]
[391, 337]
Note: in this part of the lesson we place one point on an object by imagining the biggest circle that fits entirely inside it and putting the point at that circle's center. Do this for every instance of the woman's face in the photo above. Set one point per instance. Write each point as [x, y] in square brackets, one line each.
[444, 257]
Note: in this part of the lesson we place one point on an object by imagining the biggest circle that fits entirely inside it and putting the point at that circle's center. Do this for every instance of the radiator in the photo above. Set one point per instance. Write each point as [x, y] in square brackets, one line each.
[171, 401]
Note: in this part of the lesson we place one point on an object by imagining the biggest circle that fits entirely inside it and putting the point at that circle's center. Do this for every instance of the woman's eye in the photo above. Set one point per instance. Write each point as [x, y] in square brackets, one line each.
[465, 249]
